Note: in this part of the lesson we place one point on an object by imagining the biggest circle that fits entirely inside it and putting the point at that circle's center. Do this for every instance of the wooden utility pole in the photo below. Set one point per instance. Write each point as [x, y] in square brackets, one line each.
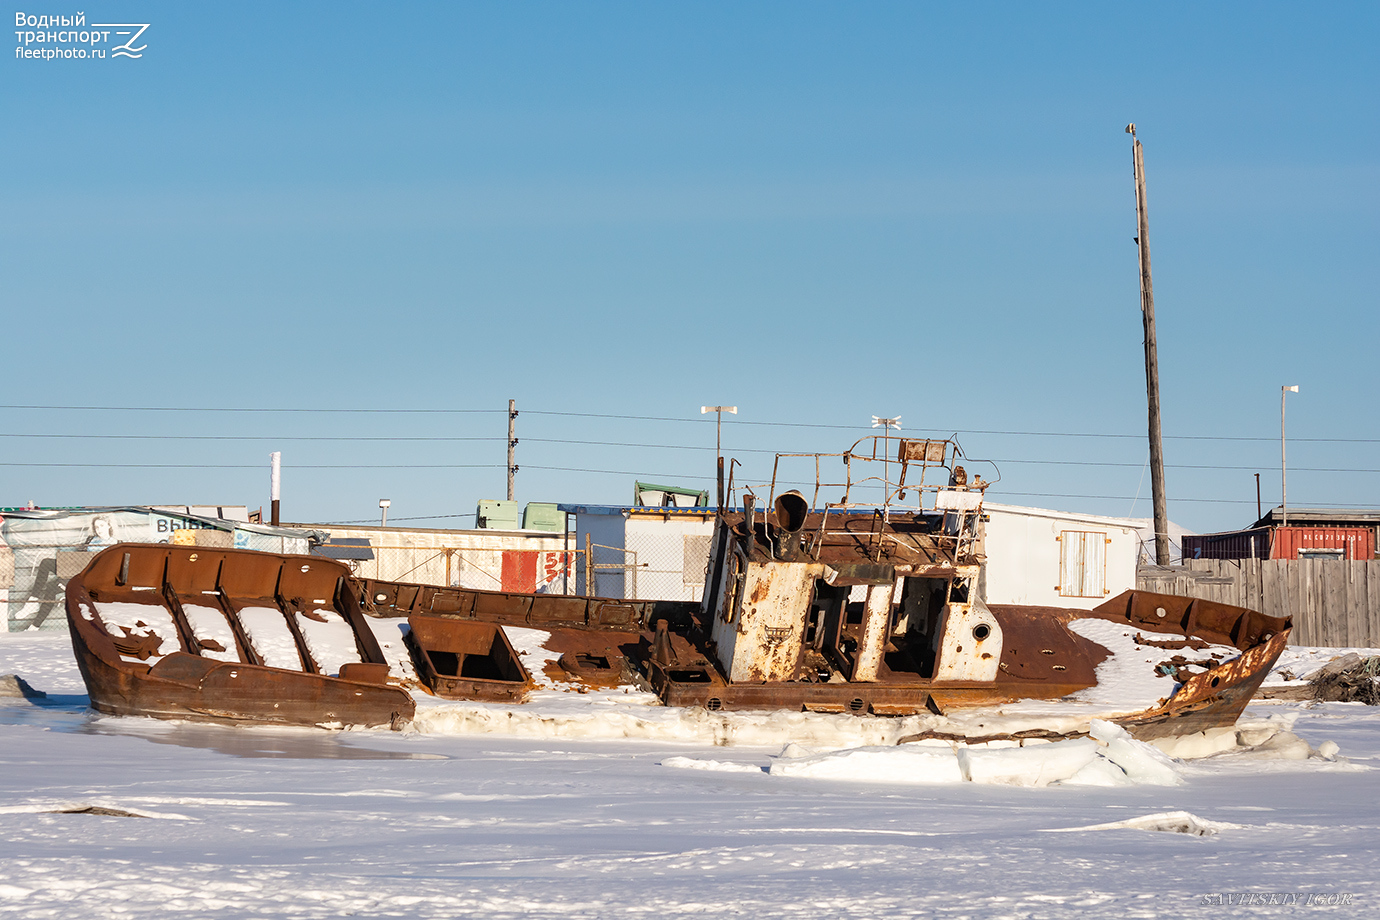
[512, 447]
[1152, 368]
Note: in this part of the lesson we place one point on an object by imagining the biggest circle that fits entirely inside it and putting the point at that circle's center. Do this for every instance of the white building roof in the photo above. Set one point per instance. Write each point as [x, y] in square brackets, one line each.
[1128, 523]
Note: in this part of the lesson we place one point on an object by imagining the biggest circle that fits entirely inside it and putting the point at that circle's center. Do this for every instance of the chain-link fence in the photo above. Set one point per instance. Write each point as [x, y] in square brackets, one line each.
[650, 567]
[33, 578]
[32, 584]
[499, 569]
[668, 568]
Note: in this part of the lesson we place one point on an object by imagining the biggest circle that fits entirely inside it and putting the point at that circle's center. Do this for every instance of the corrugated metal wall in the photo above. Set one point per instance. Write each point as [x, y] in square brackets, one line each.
[1356, 542]
[1243, 544]
[1280, 543]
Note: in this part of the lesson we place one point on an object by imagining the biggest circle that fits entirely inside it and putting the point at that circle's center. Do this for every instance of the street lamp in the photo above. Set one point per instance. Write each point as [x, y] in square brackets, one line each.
[275, 483]
[886, 424]
[718, 441]
[1283, 476]
[384, 505]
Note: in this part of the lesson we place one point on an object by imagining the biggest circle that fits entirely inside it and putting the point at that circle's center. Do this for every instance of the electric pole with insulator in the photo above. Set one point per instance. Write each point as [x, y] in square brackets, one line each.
[1152, 368]
[512, 448]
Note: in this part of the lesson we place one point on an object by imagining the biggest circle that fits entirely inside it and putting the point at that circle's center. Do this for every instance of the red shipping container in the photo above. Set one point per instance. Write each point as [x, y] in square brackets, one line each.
[1355, 542]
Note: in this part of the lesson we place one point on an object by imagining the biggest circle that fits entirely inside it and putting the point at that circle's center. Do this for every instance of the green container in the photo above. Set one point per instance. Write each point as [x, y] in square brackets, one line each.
[495, 514]
[542, 516]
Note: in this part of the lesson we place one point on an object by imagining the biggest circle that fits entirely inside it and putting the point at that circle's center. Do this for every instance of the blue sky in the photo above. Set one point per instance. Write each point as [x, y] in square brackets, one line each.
[815, 211]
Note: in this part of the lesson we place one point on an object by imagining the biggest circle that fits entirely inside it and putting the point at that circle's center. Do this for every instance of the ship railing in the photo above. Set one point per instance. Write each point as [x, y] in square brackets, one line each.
[868, 469]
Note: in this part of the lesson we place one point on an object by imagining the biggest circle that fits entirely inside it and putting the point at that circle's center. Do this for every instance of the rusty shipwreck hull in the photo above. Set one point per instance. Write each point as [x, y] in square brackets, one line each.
[160, 631]
[923, 627]
[844, 606]
[186, 687]
[1215, 697]
[1044, 660]
[808, 604]
[665, 646]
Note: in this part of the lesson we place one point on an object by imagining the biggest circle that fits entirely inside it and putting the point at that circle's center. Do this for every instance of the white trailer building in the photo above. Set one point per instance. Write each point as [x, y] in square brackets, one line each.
[642, 552]
[1057, 558]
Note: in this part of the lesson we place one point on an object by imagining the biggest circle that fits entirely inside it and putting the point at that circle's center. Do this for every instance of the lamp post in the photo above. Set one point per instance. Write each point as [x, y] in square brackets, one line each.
[275, 483]
[718, 441]
[1283, 474]
[886, 424]
[384, 505]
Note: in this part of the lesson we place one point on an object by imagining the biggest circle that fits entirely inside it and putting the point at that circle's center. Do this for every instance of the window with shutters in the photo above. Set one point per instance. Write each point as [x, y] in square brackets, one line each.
[1082, 563]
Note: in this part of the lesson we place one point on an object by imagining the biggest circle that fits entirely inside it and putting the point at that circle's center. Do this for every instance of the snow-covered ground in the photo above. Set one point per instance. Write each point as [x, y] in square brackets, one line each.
[603, 805]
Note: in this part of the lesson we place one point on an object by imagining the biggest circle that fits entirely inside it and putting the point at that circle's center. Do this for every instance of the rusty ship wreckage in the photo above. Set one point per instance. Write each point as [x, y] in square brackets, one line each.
[842, 607]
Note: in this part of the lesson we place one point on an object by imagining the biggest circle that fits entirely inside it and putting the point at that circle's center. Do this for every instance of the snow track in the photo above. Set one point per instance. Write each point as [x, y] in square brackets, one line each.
[301, 823]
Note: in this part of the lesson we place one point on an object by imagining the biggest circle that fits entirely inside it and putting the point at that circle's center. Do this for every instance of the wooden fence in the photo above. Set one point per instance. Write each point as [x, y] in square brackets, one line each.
[1334, 602]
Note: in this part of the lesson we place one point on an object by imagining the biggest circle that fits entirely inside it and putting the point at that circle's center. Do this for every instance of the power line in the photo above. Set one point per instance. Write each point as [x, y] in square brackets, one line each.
[234, 437]
[686, 420]
[636, 418]
[259, 466]
[423, 517]
[230, 437]
[630, 444]
[1177, 466]
[193, 466]
[569, 469]
[572, 469]
[941, 430]
[701, 447]
[1211, 501]
[143, 466]
[250, 409]
[1215, 501]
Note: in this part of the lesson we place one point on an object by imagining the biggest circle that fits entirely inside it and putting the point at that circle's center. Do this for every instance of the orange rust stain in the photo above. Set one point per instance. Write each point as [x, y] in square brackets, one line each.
[585, 680]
